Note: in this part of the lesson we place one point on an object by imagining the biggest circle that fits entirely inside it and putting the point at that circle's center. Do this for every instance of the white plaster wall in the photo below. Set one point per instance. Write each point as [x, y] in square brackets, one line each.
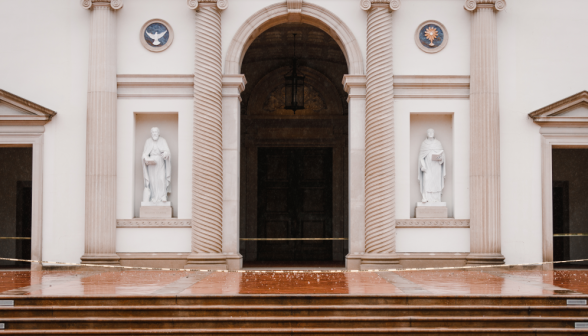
[154, 240]
[44, 58]
[133, 58]
[540, 62]
[432, 240]
[410, 60]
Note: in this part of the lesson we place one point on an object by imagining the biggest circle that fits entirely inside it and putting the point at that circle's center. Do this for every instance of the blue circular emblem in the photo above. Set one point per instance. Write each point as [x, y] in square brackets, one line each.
[156, 35]
[431, 36]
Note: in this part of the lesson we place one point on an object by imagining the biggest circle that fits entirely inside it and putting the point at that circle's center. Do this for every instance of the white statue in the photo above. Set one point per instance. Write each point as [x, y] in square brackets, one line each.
[156, 169]
[431, 171]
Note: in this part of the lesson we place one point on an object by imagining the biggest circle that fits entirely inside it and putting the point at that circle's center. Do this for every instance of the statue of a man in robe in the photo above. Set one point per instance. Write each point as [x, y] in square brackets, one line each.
[431, 171]
[156, 168]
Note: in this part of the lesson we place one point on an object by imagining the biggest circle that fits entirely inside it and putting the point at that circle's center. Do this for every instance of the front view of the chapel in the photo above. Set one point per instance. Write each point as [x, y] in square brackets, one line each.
[231, 134]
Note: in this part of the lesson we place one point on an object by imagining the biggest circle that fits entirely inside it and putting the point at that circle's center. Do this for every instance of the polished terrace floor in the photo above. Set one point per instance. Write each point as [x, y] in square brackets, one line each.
[447, 282]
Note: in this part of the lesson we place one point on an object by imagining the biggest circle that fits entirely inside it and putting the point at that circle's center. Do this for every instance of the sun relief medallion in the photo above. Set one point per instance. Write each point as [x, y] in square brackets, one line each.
[156, 35]
[431, 36]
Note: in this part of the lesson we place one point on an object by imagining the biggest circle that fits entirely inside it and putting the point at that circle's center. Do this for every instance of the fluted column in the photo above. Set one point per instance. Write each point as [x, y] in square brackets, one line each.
[100, 229]
[380, 228]
[484, 135]
[207, 155]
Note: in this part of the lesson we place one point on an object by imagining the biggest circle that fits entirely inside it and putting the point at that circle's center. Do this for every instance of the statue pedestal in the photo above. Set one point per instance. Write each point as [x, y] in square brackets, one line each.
[155, 210]
[431, 210]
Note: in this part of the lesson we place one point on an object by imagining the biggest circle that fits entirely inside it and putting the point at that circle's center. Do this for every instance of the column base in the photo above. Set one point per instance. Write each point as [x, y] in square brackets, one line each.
[370, 261]
[214, 261]
[101, 259]
[484, 259]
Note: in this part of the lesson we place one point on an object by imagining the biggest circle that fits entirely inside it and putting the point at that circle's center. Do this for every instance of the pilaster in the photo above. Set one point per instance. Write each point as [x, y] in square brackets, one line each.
[380, 231]
[485, 130]
[207, 156]
[100, 226]
[233, 85]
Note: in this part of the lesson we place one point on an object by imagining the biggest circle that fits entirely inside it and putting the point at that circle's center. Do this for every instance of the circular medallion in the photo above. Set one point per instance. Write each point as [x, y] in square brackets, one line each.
[431, 36]
[156, 35]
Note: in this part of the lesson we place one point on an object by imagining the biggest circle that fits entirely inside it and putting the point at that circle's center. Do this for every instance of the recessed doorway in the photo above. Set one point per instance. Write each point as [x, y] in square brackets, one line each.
[16, 170]
[293, 189]
[570, 206]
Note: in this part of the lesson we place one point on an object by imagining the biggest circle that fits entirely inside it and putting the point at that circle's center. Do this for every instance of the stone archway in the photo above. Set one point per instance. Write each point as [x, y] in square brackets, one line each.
[234, 83]
[281, 13]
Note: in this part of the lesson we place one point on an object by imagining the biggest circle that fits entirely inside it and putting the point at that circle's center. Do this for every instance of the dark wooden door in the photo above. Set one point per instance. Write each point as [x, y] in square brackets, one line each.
[295, 200]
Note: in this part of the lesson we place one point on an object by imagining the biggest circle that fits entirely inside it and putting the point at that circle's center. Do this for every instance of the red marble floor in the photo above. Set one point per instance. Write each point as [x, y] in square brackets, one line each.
[450, 282]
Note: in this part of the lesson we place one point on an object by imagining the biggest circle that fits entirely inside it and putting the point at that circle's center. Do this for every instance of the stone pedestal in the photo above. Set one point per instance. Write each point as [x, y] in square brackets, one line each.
[159, 210]
[431, 210]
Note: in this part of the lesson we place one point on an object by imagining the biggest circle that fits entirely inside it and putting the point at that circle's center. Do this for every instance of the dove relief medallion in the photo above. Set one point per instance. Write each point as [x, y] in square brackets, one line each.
[156, 35]
[431, 36]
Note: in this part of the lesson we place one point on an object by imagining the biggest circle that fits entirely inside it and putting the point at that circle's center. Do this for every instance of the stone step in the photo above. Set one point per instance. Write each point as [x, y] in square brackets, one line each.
[282, 310]
[310, 332]
[295, 300]
[334, 322]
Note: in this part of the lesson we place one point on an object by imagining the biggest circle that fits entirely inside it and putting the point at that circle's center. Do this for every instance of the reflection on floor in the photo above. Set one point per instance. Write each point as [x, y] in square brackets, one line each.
[451, 282]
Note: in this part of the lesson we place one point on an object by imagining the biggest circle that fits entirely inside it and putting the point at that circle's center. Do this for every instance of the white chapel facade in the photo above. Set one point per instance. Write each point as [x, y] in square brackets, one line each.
[223, 134]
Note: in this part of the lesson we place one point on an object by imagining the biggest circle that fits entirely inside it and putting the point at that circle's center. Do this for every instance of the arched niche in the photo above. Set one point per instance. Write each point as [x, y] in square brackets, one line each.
[277, 14]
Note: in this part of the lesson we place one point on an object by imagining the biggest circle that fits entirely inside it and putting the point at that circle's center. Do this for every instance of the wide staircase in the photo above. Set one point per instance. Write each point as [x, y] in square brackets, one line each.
[295, 315]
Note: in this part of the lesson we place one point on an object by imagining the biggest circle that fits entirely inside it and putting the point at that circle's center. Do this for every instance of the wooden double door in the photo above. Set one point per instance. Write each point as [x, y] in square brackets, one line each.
[295, 204]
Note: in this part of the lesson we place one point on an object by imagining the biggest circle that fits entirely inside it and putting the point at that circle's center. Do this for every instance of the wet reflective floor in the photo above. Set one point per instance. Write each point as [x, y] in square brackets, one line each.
[450, 282]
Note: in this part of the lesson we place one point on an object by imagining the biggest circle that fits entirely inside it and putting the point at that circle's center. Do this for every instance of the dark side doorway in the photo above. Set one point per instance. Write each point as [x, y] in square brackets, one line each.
[15, 205]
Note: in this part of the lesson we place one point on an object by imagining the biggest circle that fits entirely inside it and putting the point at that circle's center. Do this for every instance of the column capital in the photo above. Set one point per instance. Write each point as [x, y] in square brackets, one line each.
[369, 4]
[220, 4]
[472, 5]
[354, 86]
[90, 4]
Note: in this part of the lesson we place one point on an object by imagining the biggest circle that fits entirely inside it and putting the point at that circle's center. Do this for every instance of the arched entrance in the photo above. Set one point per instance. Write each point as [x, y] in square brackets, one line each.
[293, 188]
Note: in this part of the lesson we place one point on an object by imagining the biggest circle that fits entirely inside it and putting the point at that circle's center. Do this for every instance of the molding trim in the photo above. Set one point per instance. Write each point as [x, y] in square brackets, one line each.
[278, 13]
[155, 86]
[554, 115]
[31, 136]
[432, 223]
[436, 87]
[32, 114]
[153, 223]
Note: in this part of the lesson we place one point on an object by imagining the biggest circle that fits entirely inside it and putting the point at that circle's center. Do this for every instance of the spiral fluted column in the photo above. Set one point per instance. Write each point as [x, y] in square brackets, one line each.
[207, 155]
[100, 226]
[484, 135]
[380, 231]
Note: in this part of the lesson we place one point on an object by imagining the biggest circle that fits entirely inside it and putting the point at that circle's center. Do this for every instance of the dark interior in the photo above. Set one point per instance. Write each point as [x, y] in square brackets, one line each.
[15, 205]
[570, 206]
[293, 208]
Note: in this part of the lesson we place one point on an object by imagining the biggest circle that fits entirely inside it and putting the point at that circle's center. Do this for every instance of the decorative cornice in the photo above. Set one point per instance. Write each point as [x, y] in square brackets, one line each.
[472, 5]
[554, 115]
[155, 86]
[438, 87]
[115, 4]
[368, 4]
[32, 114]
[154, 223]
[220, 4]
[432, 223]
